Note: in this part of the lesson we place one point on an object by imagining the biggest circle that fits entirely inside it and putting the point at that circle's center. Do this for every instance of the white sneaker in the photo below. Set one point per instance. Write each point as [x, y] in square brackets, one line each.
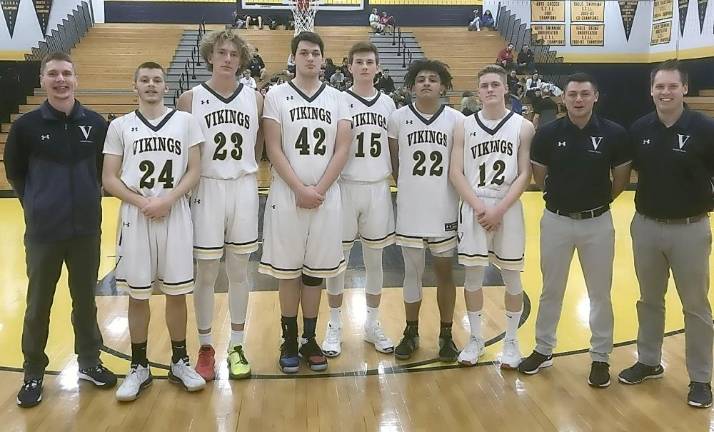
[375, 335]
[136, 380]
[511, 356]
[472, 351]
[332, 345]
[182, 373]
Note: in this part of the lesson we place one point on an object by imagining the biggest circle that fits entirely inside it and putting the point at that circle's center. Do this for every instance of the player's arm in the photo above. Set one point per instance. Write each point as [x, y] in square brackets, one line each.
[259, 139]
[540, 172]
[343, 140]
[394, 155]
[111, 180]
[456, 171]
[620, 178]
[17, 161]
[185, 101]
[305, 197]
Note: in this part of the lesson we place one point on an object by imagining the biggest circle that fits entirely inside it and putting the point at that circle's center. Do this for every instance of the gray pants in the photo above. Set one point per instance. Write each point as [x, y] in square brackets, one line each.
[683, 248]
[595, 241]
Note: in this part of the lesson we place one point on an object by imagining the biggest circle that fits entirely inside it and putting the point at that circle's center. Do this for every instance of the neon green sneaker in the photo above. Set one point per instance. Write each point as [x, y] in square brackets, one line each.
[238, 366]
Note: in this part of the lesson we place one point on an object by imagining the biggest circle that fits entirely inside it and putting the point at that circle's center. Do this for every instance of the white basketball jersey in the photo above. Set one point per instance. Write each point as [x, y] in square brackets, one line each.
[369, 159]
[309, 126]
[230, 127]
[154, 153]
[427, 204]
[491, 153]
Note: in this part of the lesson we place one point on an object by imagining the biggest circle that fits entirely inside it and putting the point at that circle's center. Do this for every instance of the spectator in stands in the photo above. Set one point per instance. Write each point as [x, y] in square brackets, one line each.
[248, 80]
[545, 108]
[505, 58]
[330, 68]
[255, 20]
[475, 23]
[291, 65]
[374, 21]
[533, 84]
[525, 60]
[402, 97]
[514, 84]
[385, 83]
[345, 68]
[257, 66]
[470, 105]
[337, 80]
[487, 20]
[552, 89]
[387, 21]
[465, 95]
[238, 20]
[514, 104]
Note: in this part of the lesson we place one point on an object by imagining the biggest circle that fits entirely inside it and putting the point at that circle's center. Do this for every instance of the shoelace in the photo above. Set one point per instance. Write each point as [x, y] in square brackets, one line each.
[239, 350]
[332, 335]
[31, 384]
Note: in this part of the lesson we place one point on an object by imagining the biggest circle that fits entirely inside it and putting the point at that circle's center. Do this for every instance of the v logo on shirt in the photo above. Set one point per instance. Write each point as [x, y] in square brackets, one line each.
[683, 140]
[85, 131]
[596, 141]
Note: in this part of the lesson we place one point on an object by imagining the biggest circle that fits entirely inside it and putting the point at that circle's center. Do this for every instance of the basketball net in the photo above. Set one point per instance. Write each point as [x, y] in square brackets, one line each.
[304, 14]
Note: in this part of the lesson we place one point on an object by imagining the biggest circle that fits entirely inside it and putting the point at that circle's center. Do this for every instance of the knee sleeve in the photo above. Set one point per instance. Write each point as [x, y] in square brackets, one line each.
[335, 285]
[473, 278]
[206, 274]
[373, 266]
[512, 280]
[311, 281]
[238, 286]
[413, 272]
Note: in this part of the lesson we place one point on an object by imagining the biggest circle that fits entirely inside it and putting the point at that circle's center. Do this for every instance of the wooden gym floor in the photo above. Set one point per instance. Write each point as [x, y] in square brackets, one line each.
[362, 390]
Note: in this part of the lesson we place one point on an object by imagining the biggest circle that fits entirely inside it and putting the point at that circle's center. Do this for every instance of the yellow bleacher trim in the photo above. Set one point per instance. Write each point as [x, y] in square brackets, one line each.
[693, 53]
[13, 55]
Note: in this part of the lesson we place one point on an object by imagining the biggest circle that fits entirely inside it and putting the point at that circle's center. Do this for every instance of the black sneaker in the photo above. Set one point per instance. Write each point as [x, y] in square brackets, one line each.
[599, 374]
[311, 352]
[700, 394]
[640, 372]
[30, 393]
[447, 349]
[532, 364]
[408, 344]
[99, 376]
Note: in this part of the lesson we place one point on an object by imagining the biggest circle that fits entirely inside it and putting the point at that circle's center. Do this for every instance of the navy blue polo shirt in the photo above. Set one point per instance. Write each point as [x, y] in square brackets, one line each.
[579, 161]
[675, 165]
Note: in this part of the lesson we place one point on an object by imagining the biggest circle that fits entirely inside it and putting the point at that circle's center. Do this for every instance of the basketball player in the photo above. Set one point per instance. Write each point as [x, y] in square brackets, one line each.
[307, 135]
[224, 206]
[490, 169]
[420, 140]
[366, 198]
[151, 161]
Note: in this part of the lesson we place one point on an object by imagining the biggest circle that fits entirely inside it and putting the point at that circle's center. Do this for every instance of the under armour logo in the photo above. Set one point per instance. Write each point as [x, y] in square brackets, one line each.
[562, 143]
[126, 224]
[290, 98]
[205, 102]
[645, 141]
[196, 201]
[45, 137]
[410, 122]
[352, 105]
[85, 131]
[135, 129]
[273, 206]
[683, 140]
[596, 141]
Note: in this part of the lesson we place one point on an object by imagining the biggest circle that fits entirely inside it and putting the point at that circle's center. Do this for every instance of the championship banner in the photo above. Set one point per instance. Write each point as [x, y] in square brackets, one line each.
[661, 33]
[587, 34]
[9, 9]
[702, 11]
[42, 10]
[628, 8]
[588, 11]
[548, 34]
[683, 8]
[662, 9]
[549, 11]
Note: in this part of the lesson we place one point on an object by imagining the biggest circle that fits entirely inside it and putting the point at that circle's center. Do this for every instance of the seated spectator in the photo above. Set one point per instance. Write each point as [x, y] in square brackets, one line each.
[337, 80]
[464, 96]
[470, 105]
[238, 20]
[525, 60]
[248, 80]
[273, 21]
[545, 108]
[387, 21]
[505, 58]
[514, 104]
[514, 84]
[551, 89]
[487, 20]
[374, 21]
[345, 68]
[255, 20]
[330, 68]
[291, 65]
[533, 84]
[257, 66]
[402, 97]
[385, 83]
[475, 23]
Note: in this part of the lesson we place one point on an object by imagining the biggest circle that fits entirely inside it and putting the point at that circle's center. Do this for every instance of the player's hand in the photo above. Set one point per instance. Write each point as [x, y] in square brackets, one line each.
[157, 207]
[309, 197]
[490, 219]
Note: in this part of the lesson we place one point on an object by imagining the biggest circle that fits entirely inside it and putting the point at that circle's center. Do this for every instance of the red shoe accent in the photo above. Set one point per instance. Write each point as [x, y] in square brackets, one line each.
[206, 363]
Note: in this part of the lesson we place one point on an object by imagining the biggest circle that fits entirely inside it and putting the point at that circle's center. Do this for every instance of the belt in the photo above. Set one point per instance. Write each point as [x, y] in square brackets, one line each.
[678, 221]
[587, 214]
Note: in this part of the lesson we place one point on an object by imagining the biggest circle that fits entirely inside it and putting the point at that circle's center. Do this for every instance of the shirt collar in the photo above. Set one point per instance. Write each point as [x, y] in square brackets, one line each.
[593, 124]
[682, 123]
[51, 113]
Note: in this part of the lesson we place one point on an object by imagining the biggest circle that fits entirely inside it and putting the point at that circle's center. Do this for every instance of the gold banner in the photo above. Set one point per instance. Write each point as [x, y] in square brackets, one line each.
[662, 9]
[590, 11]
[548, 34]
[587, 34]
[548, 11]
[661, 33]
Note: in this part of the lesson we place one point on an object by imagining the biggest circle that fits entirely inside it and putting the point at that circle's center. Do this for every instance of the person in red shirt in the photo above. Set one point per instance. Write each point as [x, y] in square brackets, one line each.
[505, 58]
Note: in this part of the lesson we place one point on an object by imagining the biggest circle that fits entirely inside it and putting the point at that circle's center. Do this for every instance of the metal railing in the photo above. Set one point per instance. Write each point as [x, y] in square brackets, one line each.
[66, 35]
[189, 66]
[403, 50]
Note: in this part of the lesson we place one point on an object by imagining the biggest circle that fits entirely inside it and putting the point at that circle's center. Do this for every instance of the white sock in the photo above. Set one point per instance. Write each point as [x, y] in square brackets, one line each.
[236, 338]
[512, 320]
[336, 316]
[475, 322]
[205, 339]
[372, 316]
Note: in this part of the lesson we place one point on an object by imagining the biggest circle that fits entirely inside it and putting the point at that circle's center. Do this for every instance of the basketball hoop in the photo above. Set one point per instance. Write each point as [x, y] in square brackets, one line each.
[304, 14]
